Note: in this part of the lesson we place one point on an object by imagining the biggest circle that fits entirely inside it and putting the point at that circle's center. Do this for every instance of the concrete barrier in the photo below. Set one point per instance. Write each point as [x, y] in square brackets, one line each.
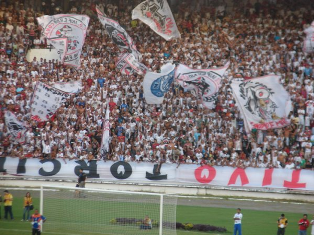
[179, 189]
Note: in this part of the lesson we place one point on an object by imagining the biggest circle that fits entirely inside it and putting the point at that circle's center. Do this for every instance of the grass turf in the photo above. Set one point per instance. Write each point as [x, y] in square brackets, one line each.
[254, 222]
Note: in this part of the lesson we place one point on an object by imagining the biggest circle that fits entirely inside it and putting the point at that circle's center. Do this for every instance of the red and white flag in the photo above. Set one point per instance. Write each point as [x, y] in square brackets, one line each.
[118, 35]
[71, 26]
[16, 127]
[263, 102]
[158, 16]
[127, 64]
[61, 45]
[203, 83]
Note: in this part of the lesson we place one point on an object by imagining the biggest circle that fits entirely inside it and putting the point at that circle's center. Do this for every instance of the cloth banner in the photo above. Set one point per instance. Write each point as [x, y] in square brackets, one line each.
[61, 45]
[263, 102]
[118, 35]
[203, 83]
[127, 64]
[157, 84]
[15, 127]
[104, 147]
[46, 100]
[158, 16]
[308, 44]
[73, 27]
[69, 87]
[185, 174]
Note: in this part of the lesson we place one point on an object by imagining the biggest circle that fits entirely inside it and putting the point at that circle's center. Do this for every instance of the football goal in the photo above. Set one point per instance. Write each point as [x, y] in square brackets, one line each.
[96, 211]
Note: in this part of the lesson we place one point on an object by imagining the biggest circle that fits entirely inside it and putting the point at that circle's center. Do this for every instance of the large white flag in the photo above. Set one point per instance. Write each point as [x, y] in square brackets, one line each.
[15, 127]
[158, 16]
[127, 64]
[263, 102]
[104, 147]
[61, 45]
[73, 27]
[118, 35]
[46, 100]
[157, 84]
[69, 87]
[308, 44]
[203, 83]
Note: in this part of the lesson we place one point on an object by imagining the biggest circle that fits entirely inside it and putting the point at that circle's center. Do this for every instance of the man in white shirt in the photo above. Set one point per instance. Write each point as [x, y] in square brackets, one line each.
[237, 222]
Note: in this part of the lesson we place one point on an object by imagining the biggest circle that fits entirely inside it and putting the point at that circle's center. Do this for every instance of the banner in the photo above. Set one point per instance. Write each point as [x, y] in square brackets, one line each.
[45, 102]
[263, 102]
[15, 127]
[61, 45]
[127, 64]
[104, 147]
[118, 35]
[147, 172]
[157, 84]
[69, 87]
[203, 83]
[158, 16]
[308, 44]
[73, 27]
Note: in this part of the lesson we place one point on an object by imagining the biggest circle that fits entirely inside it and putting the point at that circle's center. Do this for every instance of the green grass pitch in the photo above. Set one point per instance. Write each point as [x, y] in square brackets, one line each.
[254, 222]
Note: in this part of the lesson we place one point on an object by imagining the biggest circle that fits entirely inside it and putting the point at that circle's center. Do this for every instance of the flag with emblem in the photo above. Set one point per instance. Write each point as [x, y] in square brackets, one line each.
[155, 85]
[61, 45]
[158, 16]
[15, 126]
[127, 64]
[70, 26]
[203, 83]
[263, 102]
[118, 35]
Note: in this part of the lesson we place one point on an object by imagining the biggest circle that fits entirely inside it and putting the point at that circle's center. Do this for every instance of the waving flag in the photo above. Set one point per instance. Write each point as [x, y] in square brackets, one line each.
[69, 87]
[157, 84]
[263, 102]
[158, 16]
[16, 127]
[203, 83]
[104, 147]
[127, 64]
[308, 44]
[61, 45]
[118, 35]
[46, 100]
[73, 27]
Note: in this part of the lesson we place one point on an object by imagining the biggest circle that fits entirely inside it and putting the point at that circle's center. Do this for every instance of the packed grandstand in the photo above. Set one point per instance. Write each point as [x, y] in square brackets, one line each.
[258, 39]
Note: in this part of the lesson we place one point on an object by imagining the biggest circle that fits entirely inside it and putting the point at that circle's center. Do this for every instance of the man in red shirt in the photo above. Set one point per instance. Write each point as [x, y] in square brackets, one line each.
[303, 225]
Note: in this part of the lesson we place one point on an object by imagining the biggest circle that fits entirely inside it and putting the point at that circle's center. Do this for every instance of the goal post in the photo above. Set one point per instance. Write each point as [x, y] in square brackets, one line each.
[77, 211]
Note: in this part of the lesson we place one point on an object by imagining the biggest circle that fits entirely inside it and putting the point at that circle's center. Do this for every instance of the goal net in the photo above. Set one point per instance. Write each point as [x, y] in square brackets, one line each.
[95, 211]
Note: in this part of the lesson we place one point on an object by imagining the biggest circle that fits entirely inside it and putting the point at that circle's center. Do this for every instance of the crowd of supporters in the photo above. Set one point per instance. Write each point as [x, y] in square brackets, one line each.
[258, 38]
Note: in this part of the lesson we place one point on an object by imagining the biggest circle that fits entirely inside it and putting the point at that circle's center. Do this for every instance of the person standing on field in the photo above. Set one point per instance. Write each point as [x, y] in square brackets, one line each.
[303, 225]
[282, 224]
[8, 201]
[28, 201]
[81, 179]
[37, 219]
[237, 222]
[81, 183]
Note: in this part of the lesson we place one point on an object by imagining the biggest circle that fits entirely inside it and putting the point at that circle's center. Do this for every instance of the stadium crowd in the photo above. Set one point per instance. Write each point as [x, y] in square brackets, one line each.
[258, 39]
